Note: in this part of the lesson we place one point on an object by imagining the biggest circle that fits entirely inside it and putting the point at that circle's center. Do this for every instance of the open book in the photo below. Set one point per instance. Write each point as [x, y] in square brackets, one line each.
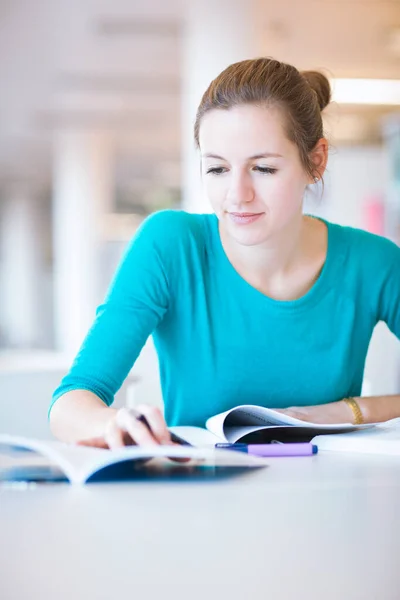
[256, 424]
[80, 463]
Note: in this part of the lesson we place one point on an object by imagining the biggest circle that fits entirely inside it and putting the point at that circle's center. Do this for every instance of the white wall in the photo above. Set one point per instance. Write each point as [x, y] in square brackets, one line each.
[26, 386]
[353, 175]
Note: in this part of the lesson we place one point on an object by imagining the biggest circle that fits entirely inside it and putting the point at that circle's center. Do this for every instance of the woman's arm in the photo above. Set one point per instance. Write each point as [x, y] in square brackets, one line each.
[80, 416]
[137, 300]
[383, 269]
[374, 409]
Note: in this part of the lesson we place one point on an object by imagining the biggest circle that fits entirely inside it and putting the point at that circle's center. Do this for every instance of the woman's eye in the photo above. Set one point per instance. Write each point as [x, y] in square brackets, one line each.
[266, 170]
[222, 170]
[216, 170]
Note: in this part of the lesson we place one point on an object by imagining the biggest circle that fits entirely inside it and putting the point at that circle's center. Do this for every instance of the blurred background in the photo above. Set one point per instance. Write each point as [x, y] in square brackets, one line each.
[97, 107]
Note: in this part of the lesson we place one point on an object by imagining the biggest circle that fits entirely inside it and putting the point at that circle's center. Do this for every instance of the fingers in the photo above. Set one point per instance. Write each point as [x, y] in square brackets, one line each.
[157, 423]
[114, 436]
[138, 431]
[97, 442]
[125, 429]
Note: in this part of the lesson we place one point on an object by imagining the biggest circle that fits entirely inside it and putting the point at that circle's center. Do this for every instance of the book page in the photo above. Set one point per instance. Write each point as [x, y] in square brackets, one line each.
[197, 436]
[235, 434]
[72, 459]
[79, 463]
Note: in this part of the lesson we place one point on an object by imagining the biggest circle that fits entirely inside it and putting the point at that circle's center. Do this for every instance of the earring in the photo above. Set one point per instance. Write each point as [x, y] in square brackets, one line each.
[316, 179]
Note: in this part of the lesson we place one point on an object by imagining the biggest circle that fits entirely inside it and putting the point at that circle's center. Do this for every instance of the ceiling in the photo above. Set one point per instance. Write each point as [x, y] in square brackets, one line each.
[118, 65]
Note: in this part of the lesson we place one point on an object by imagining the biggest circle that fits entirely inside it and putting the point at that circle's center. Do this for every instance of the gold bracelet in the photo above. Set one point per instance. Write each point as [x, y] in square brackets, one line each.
[355, 407]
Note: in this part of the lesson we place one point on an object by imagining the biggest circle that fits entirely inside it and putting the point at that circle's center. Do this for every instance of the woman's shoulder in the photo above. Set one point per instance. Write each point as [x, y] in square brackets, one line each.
[363, 239]
[171, 230]
[163, 222]
[374, 252]
[178, 221]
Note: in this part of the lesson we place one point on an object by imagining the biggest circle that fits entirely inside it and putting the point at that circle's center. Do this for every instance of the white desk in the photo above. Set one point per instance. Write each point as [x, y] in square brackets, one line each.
[326, 527]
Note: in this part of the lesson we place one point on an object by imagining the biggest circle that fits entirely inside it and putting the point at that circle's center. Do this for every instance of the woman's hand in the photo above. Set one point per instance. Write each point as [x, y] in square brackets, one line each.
[334, 412]
[124, 429]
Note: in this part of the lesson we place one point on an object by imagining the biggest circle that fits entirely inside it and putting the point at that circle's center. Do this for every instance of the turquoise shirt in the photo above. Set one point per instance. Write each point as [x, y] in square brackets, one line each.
[220, 341]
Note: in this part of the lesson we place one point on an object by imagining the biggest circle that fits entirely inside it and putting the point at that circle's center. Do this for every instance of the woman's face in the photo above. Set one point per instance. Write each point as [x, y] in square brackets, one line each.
[252, 173]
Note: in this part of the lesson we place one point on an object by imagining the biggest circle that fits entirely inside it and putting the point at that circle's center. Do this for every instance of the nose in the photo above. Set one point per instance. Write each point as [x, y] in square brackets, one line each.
[240, 188]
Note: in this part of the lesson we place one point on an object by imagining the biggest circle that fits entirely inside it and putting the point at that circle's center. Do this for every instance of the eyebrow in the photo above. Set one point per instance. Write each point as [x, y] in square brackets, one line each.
[255, 157]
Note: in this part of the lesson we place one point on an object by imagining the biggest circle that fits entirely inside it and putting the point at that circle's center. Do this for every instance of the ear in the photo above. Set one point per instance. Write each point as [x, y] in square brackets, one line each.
[319, 157]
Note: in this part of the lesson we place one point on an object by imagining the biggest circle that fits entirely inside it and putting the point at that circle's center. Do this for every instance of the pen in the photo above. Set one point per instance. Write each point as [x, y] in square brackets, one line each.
[303, 449]
[174, 438]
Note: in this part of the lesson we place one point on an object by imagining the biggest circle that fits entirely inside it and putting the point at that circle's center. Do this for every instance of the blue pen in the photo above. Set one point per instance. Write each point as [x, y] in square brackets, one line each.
[302, 449]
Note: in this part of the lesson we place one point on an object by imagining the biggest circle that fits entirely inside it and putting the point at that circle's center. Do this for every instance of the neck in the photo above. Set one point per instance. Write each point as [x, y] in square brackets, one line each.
[275, 258]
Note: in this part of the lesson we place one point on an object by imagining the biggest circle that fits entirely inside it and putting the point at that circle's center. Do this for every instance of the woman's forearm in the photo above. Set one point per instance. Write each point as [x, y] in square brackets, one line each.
[376, 409]
[79, 415]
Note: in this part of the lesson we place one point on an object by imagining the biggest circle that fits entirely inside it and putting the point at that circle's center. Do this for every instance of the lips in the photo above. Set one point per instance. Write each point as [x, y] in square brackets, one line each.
[244, 218]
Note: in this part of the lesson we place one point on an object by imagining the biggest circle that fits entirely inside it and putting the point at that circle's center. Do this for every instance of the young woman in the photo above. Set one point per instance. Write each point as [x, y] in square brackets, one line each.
[257, 303]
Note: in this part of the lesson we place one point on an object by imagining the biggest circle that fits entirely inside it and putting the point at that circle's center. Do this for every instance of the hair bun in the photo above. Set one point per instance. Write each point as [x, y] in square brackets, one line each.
[320, 84]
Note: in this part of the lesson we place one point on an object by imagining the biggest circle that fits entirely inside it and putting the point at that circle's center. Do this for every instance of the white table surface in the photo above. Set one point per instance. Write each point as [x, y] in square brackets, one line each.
[326, 527]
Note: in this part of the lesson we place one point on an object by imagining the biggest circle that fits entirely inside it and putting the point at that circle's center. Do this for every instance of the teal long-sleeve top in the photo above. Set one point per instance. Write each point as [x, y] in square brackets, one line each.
[220, 341]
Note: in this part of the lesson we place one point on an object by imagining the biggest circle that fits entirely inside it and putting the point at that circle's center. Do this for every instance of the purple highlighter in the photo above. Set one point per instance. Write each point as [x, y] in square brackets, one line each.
[303, 449]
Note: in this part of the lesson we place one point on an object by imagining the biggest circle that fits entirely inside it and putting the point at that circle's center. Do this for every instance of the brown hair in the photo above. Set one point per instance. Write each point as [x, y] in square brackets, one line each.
[301, 96]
